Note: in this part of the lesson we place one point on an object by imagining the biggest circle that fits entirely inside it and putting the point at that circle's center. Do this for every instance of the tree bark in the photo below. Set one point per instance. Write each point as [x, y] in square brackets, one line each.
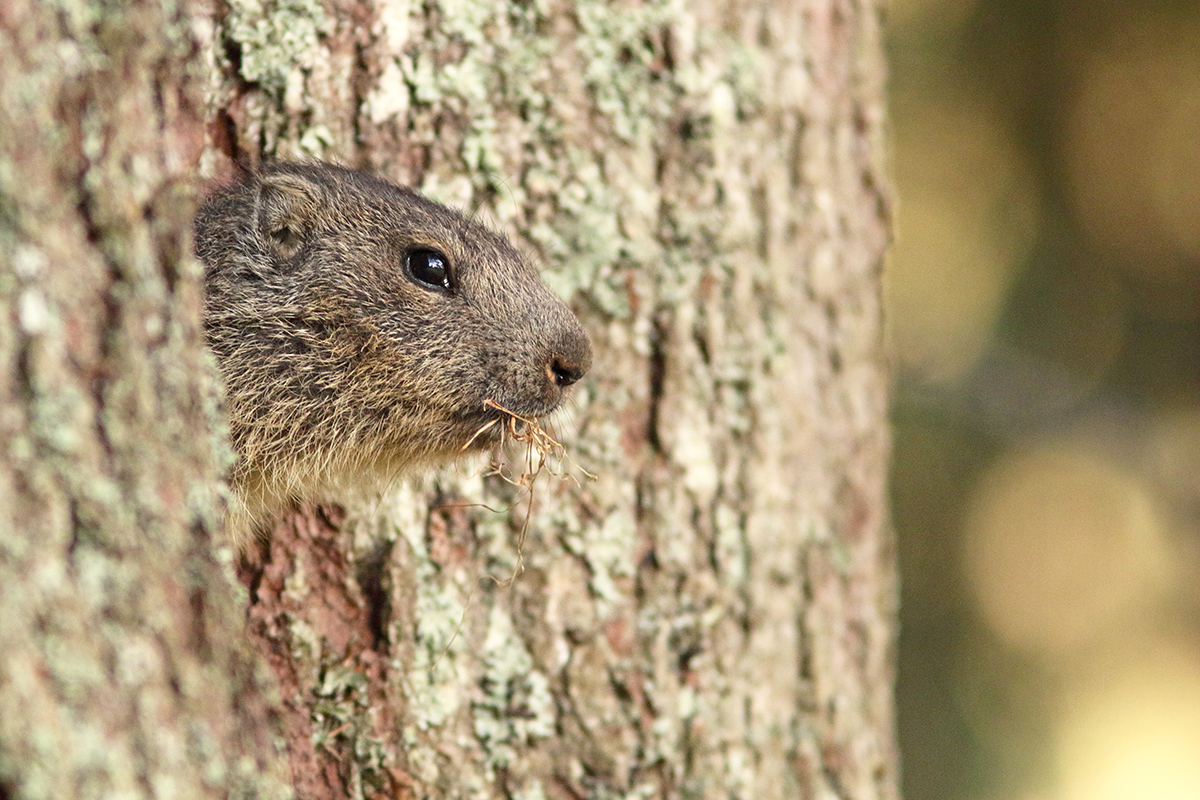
[121, 674]
[712, 615]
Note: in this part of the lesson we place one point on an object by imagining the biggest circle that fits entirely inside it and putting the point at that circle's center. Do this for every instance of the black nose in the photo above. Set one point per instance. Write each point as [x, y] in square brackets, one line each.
[564, 371]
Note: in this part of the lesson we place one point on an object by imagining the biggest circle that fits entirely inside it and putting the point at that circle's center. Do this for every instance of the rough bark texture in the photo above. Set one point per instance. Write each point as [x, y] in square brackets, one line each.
[712, 615]
[121, 674]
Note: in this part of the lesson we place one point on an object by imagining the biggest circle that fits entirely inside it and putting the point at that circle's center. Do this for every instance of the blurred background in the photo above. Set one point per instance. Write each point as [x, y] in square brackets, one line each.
[1044, 302]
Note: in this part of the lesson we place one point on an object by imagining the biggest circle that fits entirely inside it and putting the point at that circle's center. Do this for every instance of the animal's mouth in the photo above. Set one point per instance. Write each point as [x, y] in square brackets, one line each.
[500, 420]
[539, 446]
[499, 424]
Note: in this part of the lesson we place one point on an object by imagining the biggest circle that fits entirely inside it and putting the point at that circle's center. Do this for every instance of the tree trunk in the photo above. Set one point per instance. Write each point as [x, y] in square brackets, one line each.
[711, 615]
[121, 674]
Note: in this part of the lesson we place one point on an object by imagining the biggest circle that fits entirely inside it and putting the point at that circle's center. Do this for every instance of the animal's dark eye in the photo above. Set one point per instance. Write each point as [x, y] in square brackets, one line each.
[430, 269]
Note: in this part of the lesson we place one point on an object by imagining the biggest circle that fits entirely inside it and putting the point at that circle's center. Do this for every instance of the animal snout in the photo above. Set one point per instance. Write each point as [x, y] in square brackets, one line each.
[569, 359]
[564, 371]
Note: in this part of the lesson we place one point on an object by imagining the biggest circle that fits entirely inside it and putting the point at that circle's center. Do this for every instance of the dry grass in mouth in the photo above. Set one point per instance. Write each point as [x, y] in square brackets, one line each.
[541, 449]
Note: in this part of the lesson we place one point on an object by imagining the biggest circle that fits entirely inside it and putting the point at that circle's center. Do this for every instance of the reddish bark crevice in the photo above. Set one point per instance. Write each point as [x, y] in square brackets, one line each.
[309, 619]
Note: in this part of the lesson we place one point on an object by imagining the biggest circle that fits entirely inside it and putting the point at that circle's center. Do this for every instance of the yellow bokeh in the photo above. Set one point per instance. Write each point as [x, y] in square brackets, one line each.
[1132, 147]
[1061, 545]
[1132, 730]
[966, 218]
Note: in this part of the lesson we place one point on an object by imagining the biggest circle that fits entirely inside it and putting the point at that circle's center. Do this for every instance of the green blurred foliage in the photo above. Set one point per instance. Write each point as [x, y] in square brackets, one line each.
[1094, 337]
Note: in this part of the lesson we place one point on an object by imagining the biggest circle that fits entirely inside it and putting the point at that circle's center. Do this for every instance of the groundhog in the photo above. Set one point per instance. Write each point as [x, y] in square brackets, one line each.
[364, 332]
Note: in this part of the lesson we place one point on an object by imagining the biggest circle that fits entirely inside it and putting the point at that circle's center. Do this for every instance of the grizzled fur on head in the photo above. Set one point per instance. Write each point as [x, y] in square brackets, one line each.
[361, 328]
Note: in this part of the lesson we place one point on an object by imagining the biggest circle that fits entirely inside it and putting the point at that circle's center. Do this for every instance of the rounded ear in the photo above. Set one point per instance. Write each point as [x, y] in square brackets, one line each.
[285, 209]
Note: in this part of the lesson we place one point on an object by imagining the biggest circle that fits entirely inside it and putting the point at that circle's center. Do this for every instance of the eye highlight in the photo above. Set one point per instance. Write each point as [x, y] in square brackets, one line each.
[429, 269]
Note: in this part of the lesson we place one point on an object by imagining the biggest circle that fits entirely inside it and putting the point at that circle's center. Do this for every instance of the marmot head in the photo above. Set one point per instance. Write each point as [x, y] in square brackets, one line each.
[362, 329]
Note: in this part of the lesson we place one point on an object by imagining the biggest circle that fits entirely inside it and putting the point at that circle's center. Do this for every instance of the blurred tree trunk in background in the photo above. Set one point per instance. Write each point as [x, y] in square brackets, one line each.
[711, 616]
[121, 670]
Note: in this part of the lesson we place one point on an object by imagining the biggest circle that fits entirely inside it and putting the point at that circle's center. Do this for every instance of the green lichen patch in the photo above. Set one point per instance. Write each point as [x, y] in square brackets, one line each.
[341, 716]
[431, 684]
[607, 549]
[276, 37]
[625, 62]
[516, 707]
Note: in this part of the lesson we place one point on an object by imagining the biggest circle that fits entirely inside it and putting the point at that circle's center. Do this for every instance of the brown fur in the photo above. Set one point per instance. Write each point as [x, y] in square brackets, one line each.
[342, 371]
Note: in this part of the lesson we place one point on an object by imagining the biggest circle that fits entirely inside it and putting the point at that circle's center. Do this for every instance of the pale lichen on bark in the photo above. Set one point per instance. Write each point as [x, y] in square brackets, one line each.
[118, 676]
